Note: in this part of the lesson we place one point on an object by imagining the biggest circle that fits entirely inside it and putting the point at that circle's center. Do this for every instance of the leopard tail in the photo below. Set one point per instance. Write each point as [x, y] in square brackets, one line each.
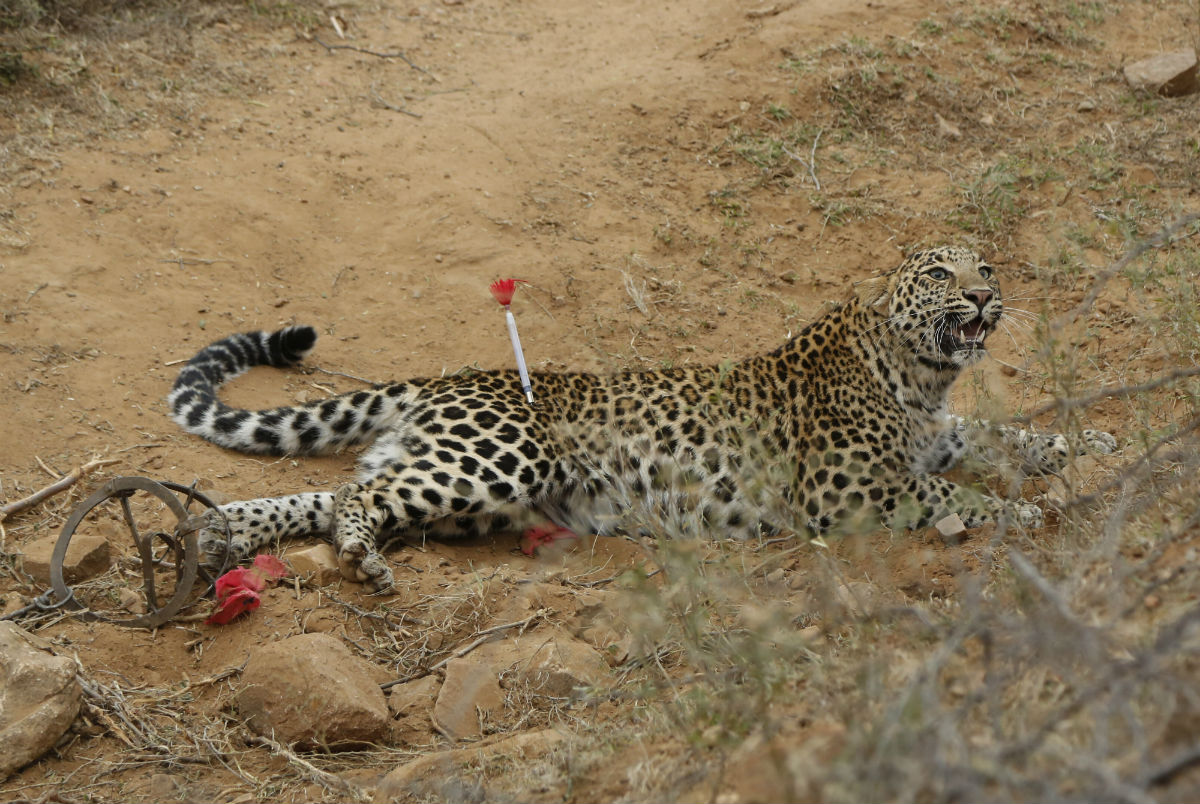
[313, 428]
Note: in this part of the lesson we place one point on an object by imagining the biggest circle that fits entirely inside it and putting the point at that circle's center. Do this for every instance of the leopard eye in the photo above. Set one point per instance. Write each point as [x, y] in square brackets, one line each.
[938, 274]
[985, 272]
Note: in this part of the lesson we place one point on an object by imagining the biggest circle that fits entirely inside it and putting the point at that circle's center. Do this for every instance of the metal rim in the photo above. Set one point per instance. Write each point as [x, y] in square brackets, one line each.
[183, 542]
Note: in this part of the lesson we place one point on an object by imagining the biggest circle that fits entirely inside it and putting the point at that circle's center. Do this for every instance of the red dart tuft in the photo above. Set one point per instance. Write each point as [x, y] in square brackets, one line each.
[270, 566]
[242, 600]
[503, 290]
[542, 535]
[237, 590]
[237, 579]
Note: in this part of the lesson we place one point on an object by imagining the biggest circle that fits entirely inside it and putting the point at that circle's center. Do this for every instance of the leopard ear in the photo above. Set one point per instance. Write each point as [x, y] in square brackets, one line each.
[872, 292]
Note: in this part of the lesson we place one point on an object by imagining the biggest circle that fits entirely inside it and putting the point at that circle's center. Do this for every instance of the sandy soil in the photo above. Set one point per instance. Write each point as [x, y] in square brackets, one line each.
[251, 177]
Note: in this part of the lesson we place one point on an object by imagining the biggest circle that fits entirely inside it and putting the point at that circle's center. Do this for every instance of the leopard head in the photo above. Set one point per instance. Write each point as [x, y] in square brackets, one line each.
[939, 306]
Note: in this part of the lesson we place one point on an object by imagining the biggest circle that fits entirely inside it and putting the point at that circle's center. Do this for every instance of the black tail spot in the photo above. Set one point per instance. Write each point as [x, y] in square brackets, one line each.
[288, 346]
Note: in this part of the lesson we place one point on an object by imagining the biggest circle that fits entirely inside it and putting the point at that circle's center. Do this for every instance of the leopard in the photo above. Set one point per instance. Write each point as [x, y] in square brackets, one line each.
[845, 425]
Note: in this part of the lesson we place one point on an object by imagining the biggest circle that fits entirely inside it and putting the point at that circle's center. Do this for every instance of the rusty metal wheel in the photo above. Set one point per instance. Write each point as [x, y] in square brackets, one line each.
[177, 550]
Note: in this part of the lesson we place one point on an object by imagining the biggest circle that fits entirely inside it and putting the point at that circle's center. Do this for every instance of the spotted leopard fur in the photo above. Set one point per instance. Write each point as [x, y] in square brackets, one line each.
[854, 407]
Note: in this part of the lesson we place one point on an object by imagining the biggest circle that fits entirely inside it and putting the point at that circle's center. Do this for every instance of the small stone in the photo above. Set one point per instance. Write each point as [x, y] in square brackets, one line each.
[425, 778]
[39, 697]
[414, 698]
[810, 633]
[556, 666]
[312, 691]
[1086, 106]
[612, 646]
[88, 555]
[950, 527]
[1151, 601]
[946, 128]
[470, 685]
[132, 602]
[318, 563]
[164, 787]
[322, 621]
[1168, 74]
[855, 597]
[210, 490]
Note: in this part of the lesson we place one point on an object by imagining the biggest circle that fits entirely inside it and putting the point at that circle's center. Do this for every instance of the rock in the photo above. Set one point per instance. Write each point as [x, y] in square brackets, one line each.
[426, 777]
[317, 563]
[946, 128]
[414, 698]
[470, 686]
[551, 663]
[1168, 74]
[39, 697]
[556, 664]
[784, 767]
[612, 646]
[856, 598]
[312, 691]
[951, 528]
[10, 602]
[411, 706]
[322, 621]
[88, 555]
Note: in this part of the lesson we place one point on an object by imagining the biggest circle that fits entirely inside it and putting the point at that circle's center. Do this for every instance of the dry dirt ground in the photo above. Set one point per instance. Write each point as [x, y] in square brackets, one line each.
[679, 182]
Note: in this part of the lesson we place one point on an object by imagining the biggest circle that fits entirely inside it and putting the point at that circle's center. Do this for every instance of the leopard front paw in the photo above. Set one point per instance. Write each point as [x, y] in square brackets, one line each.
[1028, 515]
[1098, 442]
[375, 573]
[219, 546]
[361, 564]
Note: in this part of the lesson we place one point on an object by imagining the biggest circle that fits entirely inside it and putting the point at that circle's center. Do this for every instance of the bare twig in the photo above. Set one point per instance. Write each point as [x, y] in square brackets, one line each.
[35, 291]
[1142, 461]
[458, 653]
[1143, 663]
[329, 781]
[343, 374]
[1164, 237]
[1112, 391]
[811, 163]
[375, 96]
[397, 55]
[63, 483]
[1172, 767]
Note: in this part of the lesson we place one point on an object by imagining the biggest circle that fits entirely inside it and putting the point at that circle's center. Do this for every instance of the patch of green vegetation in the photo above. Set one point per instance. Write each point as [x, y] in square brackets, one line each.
[14, 68]
[996, 199]
[771, 149]
[731, 204]
[929, 27]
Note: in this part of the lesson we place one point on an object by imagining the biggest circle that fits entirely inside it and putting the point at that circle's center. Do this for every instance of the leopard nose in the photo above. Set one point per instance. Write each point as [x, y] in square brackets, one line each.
[979, 296]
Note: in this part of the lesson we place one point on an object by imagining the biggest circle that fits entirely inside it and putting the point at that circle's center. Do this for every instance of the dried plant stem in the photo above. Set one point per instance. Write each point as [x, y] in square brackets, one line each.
[1112, 391]
[329, 781]
[63, 483]
[458, 653]
[59, 485]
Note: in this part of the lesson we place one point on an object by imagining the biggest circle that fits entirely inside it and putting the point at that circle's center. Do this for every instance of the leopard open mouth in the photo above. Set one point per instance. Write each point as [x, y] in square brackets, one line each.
[963, 335]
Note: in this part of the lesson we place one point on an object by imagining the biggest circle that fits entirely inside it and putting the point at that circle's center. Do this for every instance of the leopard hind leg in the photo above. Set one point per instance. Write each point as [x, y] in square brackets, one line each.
[418, 497]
